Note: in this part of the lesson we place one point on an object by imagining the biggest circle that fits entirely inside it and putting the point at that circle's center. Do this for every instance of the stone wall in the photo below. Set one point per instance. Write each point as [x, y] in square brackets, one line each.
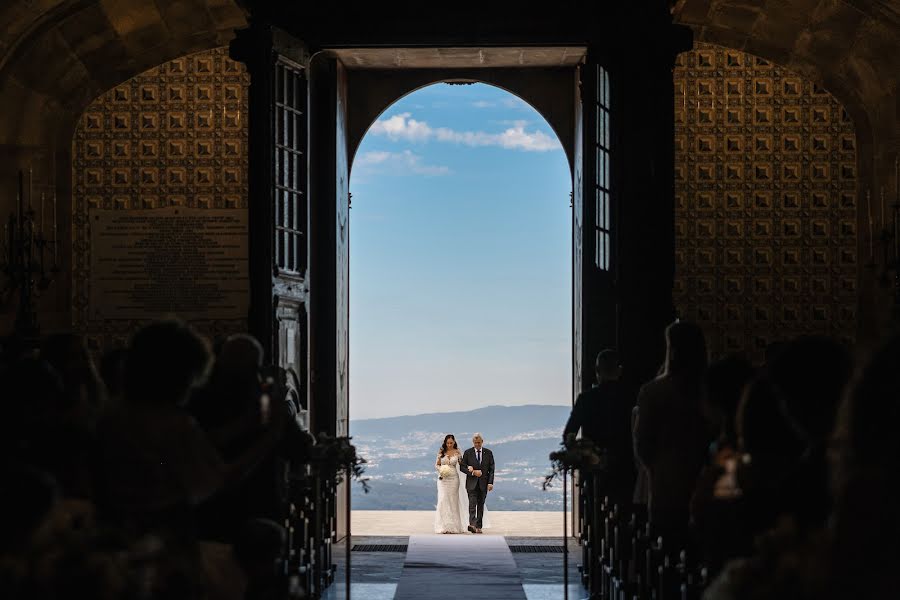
[174, 136]
[766, 203]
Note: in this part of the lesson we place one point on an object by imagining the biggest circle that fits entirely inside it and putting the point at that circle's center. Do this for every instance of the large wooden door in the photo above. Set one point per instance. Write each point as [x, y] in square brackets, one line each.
[594, 230]
[299, 219]
[578, 340]
[329, 255]
[594, 254]
[329, 244]
[279, 199]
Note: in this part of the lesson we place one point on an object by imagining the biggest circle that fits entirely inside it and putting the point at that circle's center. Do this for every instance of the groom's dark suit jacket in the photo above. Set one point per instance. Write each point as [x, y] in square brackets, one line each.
[486, 467]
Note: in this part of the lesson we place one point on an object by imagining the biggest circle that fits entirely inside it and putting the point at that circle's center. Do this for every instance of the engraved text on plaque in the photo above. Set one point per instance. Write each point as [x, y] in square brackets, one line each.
[187, 262]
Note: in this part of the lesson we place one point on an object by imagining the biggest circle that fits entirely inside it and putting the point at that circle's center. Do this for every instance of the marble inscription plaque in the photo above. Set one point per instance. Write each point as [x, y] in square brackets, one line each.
[187, 262]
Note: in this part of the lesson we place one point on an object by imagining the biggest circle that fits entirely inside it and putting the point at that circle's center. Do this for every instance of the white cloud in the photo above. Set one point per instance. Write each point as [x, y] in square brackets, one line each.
[403, 127]
[484, 104]
[513, 122]
[537, 141]
[399, 163]
[372, 158]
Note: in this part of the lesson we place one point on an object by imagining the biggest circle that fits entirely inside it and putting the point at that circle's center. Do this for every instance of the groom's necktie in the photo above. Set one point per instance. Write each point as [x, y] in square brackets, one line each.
[478, 455]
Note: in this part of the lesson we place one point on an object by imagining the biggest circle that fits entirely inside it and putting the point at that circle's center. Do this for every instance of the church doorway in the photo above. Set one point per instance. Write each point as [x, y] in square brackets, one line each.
[460, 302]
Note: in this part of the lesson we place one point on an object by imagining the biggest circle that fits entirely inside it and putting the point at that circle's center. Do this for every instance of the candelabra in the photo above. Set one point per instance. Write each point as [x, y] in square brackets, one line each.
[888, 240]
[24, 260]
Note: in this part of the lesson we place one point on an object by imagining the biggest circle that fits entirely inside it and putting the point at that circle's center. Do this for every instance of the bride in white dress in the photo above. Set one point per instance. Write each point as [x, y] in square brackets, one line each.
[452, 514]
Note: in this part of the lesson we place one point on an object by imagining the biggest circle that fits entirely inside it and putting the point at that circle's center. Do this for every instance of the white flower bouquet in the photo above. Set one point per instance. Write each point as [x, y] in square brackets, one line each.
[445, 471]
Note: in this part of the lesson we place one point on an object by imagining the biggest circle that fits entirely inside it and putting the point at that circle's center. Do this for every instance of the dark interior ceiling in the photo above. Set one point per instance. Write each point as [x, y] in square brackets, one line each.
[851, 46]
[60, 54]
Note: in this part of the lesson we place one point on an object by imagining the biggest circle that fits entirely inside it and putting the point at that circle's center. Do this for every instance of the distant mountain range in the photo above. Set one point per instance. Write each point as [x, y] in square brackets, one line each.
[401, 453]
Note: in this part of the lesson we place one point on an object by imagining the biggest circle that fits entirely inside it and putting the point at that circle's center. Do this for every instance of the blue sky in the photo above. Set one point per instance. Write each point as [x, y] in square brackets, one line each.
[460, 257]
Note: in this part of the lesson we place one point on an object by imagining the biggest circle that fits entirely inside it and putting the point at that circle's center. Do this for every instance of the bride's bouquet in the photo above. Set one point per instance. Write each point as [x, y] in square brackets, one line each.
[445, 471]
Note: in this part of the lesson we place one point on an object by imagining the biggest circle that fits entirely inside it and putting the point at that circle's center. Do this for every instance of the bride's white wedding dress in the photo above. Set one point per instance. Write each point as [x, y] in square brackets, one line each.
[452, 513]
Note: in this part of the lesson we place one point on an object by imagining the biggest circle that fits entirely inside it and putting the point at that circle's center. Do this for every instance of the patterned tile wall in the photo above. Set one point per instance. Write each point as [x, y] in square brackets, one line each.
[765, 203]
[176, 135]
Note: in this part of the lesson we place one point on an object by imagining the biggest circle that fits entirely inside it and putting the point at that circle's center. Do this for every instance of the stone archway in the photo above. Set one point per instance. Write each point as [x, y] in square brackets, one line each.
[56, 60]
[543, 78]
[849, 48]
[461, 216]
[548, 81]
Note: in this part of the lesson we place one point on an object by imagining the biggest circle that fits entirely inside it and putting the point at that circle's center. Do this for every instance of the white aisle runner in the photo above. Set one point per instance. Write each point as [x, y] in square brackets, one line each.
[459, 566]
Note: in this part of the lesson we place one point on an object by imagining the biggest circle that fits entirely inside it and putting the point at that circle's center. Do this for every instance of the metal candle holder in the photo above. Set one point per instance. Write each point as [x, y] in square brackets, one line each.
[25, 263]
[888, 240]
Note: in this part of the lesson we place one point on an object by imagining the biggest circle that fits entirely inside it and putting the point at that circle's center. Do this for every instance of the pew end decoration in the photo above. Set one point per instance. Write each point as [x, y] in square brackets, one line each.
[574, 454]
[332, 456]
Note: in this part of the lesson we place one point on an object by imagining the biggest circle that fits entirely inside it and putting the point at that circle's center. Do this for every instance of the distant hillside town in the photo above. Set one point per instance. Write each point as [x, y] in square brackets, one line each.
[401, 453]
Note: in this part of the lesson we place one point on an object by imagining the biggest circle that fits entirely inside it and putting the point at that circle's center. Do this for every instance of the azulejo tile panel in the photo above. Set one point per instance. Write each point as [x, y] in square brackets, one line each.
[766, 203]
[176, 135]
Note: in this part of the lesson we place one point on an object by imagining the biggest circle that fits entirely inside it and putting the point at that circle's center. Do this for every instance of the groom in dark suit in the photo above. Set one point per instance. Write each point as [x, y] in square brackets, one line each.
[478, 465]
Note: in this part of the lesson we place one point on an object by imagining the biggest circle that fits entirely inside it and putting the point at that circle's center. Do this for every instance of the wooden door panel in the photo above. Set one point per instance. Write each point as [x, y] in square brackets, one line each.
[293, 334]
[342, 251]
[597, 227]
[278, 214]
[577, 243]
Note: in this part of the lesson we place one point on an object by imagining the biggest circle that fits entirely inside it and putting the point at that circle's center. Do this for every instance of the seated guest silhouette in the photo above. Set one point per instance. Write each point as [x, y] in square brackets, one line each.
[725, 382]
[233, 409]
[156, 462]
[810, 374]
[602, 413]
[855, 554]
[670, 432]
[259, 549]
[743, 496]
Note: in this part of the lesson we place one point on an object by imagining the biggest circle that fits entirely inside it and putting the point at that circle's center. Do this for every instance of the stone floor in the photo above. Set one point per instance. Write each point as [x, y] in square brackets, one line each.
[410, 522]
[376, 575]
